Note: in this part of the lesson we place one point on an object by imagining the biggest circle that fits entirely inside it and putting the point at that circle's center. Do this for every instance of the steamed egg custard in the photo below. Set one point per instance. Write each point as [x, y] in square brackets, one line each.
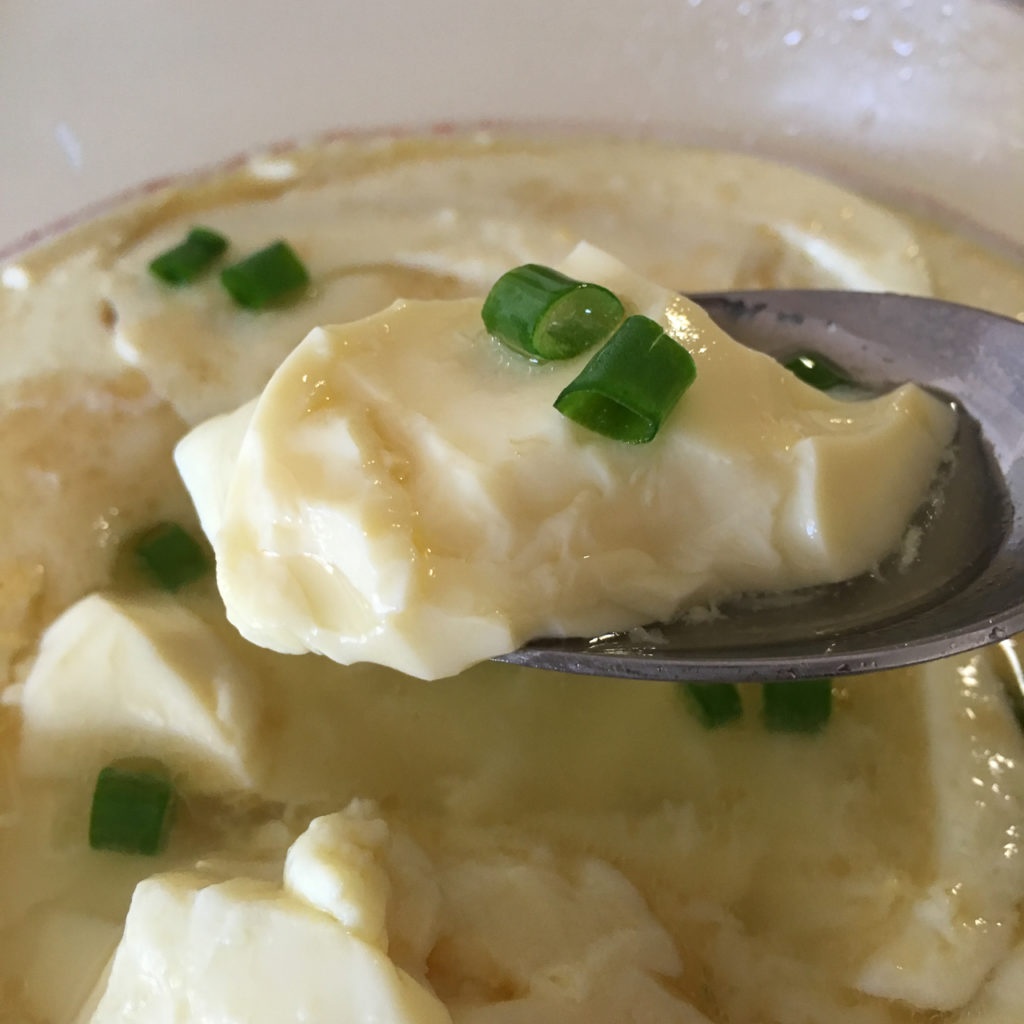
[403, 492]
[502, 844]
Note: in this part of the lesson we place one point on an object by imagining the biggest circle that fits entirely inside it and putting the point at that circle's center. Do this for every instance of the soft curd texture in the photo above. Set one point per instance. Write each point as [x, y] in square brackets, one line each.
[562, 848]
[143, 679]
[505, 845]
[195, 951]
[404, 492]
[571, 941]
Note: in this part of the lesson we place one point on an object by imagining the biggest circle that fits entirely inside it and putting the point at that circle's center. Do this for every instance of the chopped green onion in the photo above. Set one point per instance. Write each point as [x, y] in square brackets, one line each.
[817, 370]
[131, 811]
[628, 388]
[192, 258]
[170, 556]
[544, 313]
[800, 705]
[713, 704]
[265, 277]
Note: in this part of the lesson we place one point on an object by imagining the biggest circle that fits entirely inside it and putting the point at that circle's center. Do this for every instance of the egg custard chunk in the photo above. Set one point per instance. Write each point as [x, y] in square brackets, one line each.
[403, 491]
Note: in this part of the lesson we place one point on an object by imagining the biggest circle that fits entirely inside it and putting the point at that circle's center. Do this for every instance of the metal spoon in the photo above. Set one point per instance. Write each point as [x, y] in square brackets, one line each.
[966, 587]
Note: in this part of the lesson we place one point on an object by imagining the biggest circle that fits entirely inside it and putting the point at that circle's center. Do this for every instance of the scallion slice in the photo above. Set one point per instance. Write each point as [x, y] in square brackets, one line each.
[817, 370]
[713, 704]
[266, 277]
[192, 258]
[545, 313]
[170, 556]
[628, 389]
[131, 811]
[800, 705]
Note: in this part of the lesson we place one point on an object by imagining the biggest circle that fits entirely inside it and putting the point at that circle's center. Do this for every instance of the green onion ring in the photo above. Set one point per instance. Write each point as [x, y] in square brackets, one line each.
[189, 260]
[627, 390]
[544, 313]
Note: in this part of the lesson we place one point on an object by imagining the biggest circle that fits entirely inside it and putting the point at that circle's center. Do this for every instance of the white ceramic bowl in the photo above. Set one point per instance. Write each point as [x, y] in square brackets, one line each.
[918, 97]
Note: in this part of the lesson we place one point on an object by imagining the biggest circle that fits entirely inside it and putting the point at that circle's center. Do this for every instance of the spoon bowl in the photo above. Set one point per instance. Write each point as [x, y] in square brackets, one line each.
[965, 586]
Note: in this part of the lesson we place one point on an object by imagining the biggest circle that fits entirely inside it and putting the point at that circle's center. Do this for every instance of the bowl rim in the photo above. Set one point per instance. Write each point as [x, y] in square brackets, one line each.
[900, 199]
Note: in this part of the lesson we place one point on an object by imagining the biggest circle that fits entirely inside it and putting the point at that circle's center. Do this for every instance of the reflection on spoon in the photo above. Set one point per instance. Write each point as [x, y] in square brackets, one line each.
[964, 588]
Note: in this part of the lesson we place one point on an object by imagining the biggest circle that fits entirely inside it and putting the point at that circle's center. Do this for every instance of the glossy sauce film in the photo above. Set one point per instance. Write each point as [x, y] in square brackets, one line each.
[867, 873]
